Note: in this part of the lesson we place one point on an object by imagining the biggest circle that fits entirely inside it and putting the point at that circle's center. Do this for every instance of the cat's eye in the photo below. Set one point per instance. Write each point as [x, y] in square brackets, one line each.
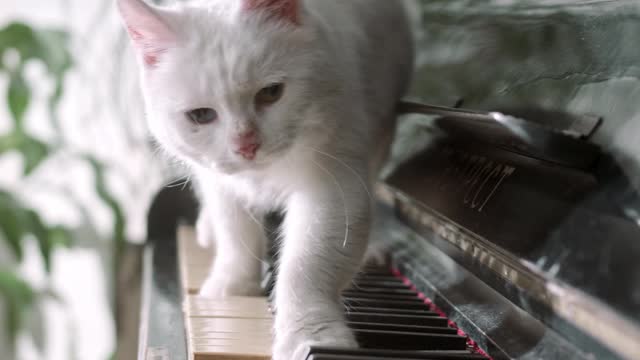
[202, 116]
[269, 94]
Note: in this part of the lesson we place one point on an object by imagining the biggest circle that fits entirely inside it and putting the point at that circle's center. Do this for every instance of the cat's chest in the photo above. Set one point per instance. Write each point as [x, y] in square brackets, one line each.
[263, 193]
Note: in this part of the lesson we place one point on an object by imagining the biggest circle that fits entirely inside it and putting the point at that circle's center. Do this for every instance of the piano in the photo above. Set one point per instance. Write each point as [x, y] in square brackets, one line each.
[513, 229]
[504, 243]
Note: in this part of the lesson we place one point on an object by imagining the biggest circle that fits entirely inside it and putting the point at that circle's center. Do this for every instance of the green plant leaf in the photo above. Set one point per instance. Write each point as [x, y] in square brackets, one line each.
[59, 236]
[19, 300]
[17, 221]
[34, 152]
[20, 37]
[18, 98]
[10, 142]
[54, 100]
[12, 230]
[12, 223]
[54, 45]
[46, 45]
[50, 46]
[111, 202]
[40, 232]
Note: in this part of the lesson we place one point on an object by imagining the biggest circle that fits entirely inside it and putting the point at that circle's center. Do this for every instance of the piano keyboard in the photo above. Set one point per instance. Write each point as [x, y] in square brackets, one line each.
[390, 320]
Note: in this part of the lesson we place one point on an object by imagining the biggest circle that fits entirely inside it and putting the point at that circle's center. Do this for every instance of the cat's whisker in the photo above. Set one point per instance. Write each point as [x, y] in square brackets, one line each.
[256, 220]
[184, 185]
[184, 180]
[247, 248]
[344, 202]
[262, 261]
[362, 182]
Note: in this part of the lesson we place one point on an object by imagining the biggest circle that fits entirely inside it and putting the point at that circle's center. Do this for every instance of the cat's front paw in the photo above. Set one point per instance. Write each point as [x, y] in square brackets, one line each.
[216, 287]
[377, 255]
[293, 345]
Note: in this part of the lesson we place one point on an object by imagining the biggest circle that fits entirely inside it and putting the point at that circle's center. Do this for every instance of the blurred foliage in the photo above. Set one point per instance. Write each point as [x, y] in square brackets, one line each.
[16, 222]
[19, 45]
[19, 298]
[27, 44]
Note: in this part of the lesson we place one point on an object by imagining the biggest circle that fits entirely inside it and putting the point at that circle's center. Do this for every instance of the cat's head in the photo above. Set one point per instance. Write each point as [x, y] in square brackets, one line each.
[224, 81]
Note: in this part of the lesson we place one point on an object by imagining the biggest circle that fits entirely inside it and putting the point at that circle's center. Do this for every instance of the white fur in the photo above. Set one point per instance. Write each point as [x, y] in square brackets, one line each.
[344, 67]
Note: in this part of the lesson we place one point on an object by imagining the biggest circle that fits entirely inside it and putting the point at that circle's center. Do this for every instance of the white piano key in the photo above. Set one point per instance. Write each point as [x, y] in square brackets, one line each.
[199, 325]
[235, 328]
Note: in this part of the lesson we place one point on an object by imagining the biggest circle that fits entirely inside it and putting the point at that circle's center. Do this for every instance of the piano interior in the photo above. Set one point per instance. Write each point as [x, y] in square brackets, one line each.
[512, 230]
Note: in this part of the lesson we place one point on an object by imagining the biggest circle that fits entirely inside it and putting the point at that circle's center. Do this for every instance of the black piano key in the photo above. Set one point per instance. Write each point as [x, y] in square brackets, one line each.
[403, 340]
[398, 319]
[410, 305]
[371, 295]
[380, 311]
[370, 277]
[383, 291]
[409, 328]
[376, 271]
[386, 314]
[343, 357]
[394, 284]
[365, 356]
[355, 357]
[318, 353]
[369, 309]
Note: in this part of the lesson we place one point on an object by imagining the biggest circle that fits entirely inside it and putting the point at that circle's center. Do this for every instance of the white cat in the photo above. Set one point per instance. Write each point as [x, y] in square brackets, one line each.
[278, 104]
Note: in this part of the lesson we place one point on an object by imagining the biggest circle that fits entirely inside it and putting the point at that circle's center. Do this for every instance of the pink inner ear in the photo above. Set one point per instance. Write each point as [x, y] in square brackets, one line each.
[281, 9]
[149, 33]
[149, 53]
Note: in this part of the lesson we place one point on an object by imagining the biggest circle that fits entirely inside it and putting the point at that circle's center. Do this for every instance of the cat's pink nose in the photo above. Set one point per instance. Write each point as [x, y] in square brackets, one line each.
[248, 152]
[247, 144]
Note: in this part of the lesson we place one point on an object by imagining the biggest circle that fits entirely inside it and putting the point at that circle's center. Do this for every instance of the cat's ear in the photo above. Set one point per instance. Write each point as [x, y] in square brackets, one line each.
[288, 10]
[150, 33]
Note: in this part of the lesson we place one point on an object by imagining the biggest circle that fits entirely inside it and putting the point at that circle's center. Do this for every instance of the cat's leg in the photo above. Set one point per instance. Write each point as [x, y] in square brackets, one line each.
[377, 253]
[204, 229]
[240, 245]
[382, 230]
[321, 252]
